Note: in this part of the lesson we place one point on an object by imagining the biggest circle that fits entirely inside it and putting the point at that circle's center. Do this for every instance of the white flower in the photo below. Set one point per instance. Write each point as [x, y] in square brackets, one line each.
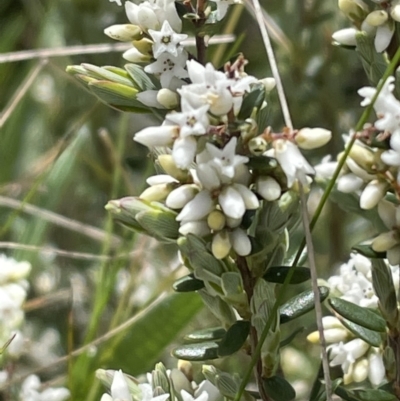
[151, 14]
[222, 7]
[167, 67]
[147, 394]
[292, 162]
[192, 121]
[11, 270]
[166, 40]
[30, 391]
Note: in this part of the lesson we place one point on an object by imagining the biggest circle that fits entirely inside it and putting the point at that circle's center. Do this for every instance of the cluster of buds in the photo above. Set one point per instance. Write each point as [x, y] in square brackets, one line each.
[358, 359]
[378, 23]
[159, 386]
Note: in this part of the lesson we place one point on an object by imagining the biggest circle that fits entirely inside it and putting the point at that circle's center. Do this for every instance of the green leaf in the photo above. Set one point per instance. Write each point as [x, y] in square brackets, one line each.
[188, 284]
[159, 224]
[251, 101]
[373, 395]
[367, 251]
[200, 258]
[234, 338]
[277, 274]
[211, 334]
[140, 345]
[104, 73]
[345, 394]
[362, 316]
[300, 304]
[142, 80]
[197, 352]
[278, 388]
[382, 282]
[369, 336]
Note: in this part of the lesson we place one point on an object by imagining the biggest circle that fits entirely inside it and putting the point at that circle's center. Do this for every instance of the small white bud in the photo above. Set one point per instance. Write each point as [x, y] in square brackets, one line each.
[199, 228]
[353, 9]
[346, 37]
[156, 193]
[221, 245]
[349, 183]
[360, 371]
[384, 241]
[372, 194]
[123, 32]
[269, 83]
[179, 197]
[249, 198]
[168, 98]
[312, 138]
[240, 242]
[376, 369]
[157, 136]
[395, 13]
[135, 56]
[377, 17]
[268, 188]
[167, 163]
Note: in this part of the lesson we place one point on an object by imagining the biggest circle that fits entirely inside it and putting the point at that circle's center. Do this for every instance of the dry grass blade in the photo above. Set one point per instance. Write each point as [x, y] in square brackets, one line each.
[317, 298]
[59, 297]
[20, 93]
[92, 49]
[54, 218]
[272, 61]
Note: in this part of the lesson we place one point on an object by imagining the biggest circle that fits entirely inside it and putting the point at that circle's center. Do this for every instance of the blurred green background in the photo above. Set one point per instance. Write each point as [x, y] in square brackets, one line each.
[64, 152]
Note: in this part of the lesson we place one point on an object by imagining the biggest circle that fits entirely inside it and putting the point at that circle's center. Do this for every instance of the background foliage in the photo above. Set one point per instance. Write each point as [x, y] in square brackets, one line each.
[64, 152]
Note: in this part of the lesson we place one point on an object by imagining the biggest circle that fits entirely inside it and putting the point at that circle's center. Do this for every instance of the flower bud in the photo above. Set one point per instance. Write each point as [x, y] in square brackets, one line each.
[395, 13]
[363, 157]
[377, 18]
[179, 197]
[356, 10]
[372, 194]
[157, 136]
[168, 98]
[144, 46]
[168, 165]
[240, 242]
[257, 146]
[216, 220]
[124, 32]
[311, 138]
[147, 19]
[360, 371]
[221, 245]
[156, 193]
[376, 369]
[134, 56]
[384, 241]
[269, 83]
[345, 37]
[268, 188]
[199, 228]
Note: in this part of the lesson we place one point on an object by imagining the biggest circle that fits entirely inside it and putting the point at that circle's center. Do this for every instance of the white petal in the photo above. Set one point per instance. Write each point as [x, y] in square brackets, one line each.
[268, 188]
[231, 202]
[119, 387]
[250, 199]
[179, 197]
[383, 37]
[349, 183]
[198, 208]
[183, 151]
[376, 373]
[156, 136]
[240, 242]
[372, 194]
[208, 176]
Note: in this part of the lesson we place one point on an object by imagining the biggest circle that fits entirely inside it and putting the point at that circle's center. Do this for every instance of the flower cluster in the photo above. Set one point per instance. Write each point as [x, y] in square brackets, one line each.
[161, 383]
[13, 292]
[378, 23]
[31, 391]
[358, 359]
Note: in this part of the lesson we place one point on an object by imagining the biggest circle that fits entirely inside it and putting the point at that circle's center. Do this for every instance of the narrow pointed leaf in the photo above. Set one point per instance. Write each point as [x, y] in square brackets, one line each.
[369, 336]
[382, 280]
[277, 274]
[142, 80]
[291, 337]
[188, 284]
[300, 304]
[159, 224]
[279, 389]
[367, 251]
[103, 73]
[362, 316]
[374, 395]
[211, 334]
[197, 352]
[234, 338]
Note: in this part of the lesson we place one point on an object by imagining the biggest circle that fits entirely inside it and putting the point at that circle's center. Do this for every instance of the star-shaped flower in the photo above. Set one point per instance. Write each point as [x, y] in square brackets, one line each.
[192, 121]
[166, 40]
[168, 67]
